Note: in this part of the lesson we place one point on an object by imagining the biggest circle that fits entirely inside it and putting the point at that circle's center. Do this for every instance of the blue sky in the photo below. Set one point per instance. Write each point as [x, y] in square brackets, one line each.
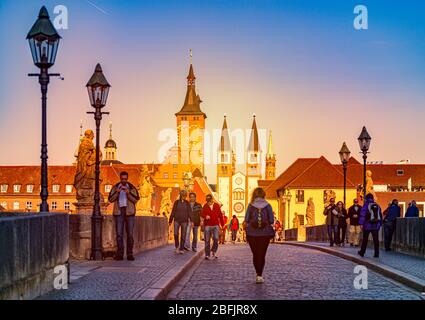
[299, 65]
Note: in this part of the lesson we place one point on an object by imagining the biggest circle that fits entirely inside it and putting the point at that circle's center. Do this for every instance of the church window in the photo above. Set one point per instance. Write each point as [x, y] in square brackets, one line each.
[16, 188]
[30, 188]
[68, 188]
[299, 196]
[238, 194]
[56, 188]
[253, 157]
[3, 188]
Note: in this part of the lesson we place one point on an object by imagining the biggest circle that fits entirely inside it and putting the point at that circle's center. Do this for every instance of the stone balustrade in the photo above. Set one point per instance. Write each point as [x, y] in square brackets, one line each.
[31, 246]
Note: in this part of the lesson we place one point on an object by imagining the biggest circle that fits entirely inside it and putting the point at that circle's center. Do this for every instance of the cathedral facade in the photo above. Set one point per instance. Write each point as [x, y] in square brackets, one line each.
[234, 188]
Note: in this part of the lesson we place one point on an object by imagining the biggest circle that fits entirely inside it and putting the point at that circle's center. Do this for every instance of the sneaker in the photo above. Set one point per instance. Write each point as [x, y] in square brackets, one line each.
[207, 258]
[259, 279]
[214, 255]
[361, 254]
[130, 257]
[118, 258]
[186, 249]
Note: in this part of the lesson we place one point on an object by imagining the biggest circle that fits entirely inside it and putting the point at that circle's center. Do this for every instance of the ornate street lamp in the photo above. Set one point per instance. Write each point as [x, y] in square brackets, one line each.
[364, 143]
[289, 197]
[98, 89]
[44, 42]
[344, 155]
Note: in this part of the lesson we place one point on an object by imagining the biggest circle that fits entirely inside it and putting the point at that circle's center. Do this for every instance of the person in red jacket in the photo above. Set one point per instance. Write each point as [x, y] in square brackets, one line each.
[213, 218]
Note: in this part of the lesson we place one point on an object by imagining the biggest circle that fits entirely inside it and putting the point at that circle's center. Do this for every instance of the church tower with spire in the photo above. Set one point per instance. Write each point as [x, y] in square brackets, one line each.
[110, 147]
[253, 162]
[270, 160]
[225, 170]
[190, 127]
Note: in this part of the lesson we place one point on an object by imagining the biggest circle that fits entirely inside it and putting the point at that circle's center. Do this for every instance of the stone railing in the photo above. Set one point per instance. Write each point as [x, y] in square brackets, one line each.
[149, 232]
[31, 246]
[408, 238]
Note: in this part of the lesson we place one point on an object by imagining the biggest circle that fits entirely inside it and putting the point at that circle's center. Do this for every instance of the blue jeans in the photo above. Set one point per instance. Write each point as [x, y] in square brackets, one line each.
[194, 230]
[214, 232]
[128, 221]
[332, 233]
[179, 226]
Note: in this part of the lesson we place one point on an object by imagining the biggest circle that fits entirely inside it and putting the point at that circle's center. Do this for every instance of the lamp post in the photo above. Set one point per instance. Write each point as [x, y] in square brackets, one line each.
[98, 89]
[344, 155]
[289, 197]
[43, 40]
[364, 143]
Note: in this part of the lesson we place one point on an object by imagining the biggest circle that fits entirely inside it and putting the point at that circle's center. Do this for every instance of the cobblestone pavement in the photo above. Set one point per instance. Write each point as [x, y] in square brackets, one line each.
[290, 273]
[403, 262]
[118, 280]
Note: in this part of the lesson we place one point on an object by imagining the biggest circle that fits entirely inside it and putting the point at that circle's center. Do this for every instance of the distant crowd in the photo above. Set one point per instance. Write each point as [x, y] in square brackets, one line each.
[366, 220]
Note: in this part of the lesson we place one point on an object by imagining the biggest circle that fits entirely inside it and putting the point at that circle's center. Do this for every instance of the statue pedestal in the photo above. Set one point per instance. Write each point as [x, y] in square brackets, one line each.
[301, 235]
[87, 207]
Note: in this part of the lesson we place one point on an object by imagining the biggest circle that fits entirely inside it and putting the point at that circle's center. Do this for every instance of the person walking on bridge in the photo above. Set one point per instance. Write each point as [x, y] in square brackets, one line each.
[371, 220]
[181, 215]
[259, 220]
[213, 218]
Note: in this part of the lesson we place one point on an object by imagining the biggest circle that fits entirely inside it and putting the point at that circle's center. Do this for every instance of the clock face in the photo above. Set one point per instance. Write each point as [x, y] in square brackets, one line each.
[238, 207]
[238, 180]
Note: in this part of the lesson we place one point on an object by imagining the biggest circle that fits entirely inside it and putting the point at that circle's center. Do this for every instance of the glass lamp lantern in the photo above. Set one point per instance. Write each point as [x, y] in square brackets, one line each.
[98, 88]
[43, 40]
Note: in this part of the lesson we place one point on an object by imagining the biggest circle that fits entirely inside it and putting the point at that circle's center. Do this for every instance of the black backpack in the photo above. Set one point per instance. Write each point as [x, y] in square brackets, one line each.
[260, 222]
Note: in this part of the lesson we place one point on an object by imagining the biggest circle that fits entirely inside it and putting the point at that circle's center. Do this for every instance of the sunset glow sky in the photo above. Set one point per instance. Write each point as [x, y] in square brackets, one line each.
[300, 66]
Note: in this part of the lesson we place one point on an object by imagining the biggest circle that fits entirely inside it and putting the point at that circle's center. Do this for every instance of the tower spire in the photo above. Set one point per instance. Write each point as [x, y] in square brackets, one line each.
[270, 151]
[81, 129]
[253, 141]
[110, 130]
[225, 140]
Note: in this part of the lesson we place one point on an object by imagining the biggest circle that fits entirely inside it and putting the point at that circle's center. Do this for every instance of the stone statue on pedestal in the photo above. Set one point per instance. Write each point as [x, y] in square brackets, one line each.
[166, 204]
[296, 222]
[144, 205]
[369, 184]
[84, 180]
[310, 213]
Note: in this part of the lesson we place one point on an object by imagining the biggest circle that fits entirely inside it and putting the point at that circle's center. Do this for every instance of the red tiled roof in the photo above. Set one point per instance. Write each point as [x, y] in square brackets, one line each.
[387, 174]
[320, 174]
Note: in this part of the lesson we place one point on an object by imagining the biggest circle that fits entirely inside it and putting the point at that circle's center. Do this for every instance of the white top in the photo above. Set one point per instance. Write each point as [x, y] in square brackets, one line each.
[122, 200]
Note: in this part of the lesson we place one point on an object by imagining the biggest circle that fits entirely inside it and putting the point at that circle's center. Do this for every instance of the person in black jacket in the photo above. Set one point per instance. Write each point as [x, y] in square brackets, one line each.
[194, 222]
[180, 214]
[355, 229]
[342, 224]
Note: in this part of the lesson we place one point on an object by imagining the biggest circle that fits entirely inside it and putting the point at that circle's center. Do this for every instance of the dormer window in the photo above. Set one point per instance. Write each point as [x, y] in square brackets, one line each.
[400, 172]
[16, 188]
[56, 188]
[3, 188]
[30, 188]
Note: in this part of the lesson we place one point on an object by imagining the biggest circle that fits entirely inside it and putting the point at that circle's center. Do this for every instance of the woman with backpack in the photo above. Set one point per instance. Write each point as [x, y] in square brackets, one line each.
[259, 222]
[371, 222]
